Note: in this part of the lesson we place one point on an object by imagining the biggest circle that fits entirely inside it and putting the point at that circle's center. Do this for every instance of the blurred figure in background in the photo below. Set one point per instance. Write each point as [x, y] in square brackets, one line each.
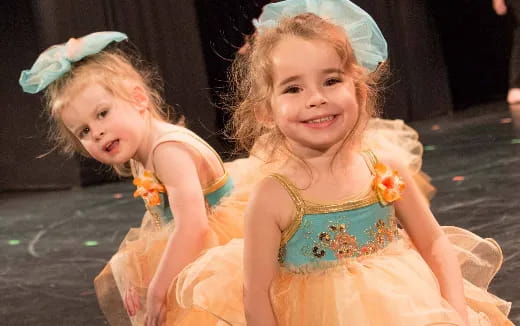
[501, 8]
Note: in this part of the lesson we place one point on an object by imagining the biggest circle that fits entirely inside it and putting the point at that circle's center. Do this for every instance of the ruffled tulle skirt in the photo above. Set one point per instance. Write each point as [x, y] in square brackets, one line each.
[138, 256]
[393, 287]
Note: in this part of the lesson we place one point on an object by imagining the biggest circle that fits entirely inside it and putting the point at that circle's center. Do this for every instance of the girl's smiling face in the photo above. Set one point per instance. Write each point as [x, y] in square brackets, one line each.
[314, 100]
[110, 129]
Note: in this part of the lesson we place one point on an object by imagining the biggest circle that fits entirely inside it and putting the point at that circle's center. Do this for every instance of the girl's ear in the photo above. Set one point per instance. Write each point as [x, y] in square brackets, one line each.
[140, 98]
[264, 116]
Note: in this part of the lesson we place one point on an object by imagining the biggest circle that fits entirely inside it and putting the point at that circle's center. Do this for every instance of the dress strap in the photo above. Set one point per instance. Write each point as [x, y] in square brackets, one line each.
[370, 159]
[188, 137]
[185, 136]
[299, 204]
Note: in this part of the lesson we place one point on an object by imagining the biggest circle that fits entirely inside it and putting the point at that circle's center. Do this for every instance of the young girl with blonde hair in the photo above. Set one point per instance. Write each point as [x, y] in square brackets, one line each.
[336, 235]
[106, 105]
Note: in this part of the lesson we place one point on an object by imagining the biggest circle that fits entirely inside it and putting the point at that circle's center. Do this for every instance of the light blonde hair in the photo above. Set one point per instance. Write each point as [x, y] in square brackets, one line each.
[111, 69]
[252, 83]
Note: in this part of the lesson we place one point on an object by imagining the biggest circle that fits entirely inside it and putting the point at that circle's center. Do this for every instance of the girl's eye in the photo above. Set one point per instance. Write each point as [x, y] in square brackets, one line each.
[332, 81]
[83, 132]
[102, 114]
[291, 90]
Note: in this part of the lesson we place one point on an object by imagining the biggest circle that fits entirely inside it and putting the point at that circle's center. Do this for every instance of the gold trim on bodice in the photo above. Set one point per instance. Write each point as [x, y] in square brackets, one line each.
[298, 203]
[304, 207]
[371, 160]
[220, 182]
[317, 208]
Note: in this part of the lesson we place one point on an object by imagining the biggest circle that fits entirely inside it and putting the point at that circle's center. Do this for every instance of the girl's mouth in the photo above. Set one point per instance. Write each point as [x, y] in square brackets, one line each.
[321, 122]
[112, 145]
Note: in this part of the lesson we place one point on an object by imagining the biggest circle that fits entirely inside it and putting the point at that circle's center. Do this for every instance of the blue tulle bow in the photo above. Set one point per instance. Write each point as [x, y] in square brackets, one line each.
[56, 60]
[367, 40]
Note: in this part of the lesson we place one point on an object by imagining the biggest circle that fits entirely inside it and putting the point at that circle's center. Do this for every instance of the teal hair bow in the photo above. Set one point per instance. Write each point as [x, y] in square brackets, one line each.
[364, 35]
[56, 60]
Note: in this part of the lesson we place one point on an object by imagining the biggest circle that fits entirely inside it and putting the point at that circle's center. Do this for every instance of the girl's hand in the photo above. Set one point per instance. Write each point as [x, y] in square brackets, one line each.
[155, 307]
[500, 7]
[131, 301]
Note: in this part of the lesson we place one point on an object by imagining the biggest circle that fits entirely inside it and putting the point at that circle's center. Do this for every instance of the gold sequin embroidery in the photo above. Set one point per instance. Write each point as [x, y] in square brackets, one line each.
[156, 215]
[380, 234]
[344, 244]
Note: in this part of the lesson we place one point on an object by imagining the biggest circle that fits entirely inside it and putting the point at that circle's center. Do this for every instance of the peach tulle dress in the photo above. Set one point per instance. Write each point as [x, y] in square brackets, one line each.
[138, 256]
[349, 263]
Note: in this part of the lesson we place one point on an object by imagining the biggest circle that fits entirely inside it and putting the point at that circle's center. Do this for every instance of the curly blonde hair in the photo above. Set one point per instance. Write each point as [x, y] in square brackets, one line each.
[111, 69]
[252, 84]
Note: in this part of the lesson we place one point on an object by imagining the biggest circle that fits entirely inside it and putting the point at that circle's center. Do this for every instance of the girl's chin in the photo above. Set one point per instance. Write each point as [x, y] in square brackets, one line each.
[115, 160]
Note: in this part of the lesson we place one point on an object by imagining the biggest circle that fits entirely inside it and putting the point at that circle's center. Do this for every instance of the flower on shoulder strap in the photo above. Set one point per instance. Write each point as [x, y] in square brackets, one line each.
[387, 183]
[148, 188]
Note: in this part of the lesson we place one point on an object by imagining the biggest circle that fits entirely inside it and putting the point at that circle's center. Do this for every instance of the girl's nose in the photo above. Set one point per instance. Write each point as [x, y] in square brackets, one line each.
[316, 99]
[98, 134]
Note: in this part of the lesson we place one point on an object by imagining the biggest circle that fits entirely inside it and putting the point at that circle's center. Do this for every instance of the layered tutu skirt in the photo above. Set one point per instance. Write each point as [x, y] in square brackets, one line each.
[392, 287]
[139, 254]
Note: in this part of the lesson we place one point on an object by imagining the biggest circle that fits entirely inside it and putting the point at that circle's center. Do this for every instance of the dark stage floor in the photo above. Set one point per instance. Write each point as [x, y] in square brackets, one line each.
[52, 244]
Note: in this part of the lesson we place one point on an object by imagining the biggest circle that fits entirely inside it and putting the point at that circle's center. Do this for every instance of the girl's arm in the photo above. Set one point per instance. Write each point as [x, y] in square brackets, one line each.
[431, 242]
[262, 237]
[177, 170]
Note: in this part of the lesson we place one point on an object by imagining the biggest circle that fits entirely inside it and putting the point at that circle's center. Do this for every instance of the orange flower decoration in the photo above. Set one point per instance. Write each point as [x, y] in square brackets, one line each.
[387, 183]
[148, 188]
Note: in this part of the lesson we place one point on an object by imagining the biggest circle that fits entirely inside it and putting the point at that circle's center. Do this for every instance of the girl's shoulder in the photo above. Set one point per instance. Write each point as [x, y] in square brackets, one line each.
[270, 190]
[271, 197]
[174, 133]
[173, 141]
[178, 148]
[181, 138]
[393, 162]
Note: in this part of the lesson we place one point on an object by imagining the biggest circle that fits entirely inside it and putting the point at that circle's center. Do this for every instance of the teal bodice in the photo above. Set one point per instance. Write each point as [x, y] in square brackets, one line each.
[212, 195]
[328, 233]
[333, 235]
